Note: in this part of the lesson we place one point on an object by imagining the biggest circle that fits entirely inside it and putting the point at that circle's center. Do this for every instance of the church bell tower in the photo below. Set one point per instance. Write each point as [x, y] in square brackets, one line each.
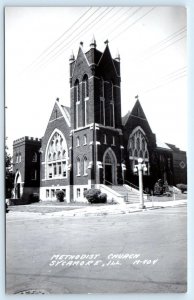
[96, 128]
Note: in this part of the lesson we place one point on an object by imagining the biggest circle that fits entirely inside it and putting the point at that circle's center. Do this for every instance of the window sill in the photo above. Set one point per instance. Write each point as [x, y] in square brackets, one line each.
[53, 178]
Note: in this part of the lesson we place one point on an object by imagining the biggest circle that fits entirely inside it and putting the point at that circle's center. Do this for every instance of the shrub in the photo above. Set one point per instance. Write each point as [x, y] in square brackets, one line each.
[182, 187]
[92, 195]
[158, 188]
[34, 197]
[102, 198]
[60, 195]
[95, 196]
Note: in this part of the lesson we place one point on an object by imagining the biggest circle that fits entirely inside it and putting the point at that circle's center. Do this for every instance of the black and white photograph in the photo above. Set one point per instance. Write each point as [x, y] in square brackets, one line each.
[96, 149]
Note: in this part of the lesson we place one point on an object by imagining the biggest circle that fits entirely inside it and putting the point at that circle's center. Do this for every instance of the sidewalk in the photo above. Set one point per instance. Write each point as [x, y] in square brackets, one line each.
[88, 210]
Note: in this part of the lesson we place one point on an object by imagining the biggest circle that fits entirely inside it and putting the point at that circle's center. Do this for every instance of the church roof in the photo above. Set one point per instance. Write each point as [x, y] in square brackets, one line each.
[66, 110]
[125, 118]
[173, 147]
[162, 145]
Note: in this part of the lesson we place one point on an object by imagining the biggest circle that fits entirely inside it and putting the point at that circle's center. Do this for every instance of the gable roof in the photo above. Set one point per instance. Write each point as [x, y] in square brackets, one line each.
[125, 118]
[67, 112]
[80, 53]
[106, 59]
[64, 112]
[137, 112]
[162, 145]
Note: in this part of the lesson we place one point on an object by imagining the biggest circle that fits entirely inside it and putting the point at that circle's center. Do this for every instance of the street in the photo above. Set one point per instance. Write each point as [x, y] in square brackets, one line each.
[139, 252]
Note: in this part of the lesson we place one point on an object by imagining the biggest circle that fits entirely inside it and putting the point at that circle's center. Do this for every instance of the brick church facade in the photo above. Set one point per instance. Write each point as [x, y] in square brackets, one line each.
[89, 144]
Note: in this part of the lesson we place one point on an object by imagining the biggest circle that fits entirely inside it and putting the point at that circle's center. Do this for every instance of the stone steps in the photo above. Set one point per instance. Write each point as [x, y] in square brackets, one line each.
[129, 196]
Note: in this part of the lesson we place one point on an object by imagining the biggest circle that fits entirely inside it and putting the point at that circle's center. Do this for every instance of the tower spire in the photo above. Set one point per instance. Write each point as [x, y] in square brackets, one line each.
[93, 42]
[117, 56]
[72, 57]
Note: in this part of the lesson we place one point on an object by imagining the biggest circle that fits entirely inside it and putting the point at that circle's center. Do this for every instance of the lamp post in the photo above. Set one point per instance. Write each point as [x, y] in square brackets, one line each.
[140, 167]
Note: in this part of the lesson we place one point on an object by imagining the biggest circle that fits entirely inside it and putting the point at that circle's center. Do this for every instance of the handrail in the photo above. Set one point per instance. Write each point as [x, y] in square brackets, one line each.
[108, 182]
[108, 187]
[133, 185]
[129, 183]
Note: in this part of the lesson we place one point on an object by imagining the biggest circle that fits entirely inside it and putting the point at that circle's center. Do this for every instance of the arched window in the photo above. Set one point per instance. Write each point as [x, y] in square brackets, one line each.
[56, 160]
[101, 87]
[111, 108]
[78, 164]
[143, 144]
[132, 143]
[59, 155]
[141, 153]
[85, 95]
[77, 102]
[108, 159]
[76, 91]
[64, 154]
[77, 141]
[135, 153]
[85, 165]
[85, 87]
[34, 157]
[138, 146]
[146, 154]
[112, 90]
[85, 139]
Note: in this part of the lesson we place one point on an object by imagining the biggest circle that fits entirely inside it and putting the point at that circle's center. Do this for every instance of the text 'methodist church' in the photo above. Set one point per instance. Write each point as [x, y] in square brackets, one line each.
[89, 144]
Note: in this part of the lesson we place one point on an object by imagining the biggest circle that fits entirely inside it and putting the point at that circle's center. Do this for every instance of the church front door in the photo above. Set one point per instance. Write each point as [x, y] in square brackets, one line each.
[108, 174]
[109, 166]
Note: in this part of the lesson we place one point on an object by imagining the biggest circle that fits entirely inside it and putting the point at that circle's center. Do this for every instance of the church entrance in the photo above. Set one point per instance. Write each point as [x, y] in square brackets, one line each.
[109, 167]
[17, 186]
[108, 174]
[18, 190]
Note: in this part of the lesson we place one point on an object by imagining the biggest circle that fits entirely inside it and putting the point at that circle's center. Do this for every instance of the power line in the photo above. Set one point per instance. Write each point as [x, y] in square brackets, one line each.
[110, 18]
[136, 21]
[165, 83]
[59, 52]
[128, 17]
[176, 72]
[65, 32]
[160, 50]
[167, 39]
[61, 43]
[53, 57]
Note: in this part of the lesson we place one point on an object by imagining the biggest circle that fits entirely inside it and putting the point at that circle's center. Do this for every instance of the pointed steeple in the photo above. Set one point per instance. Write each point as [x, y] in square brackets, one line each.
[117, 58]
[93, 42]
[72, 57]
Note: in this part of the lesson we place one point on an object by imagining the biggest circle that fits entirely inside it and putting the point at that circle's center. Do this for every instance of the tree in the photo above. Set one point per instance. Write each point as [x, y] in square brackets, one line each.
[9, 176]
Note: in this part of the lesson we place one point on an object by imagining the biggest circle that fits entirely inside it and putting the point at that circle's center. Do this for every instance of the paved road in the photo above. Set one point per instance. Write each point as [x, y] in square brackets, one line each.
[80, 254]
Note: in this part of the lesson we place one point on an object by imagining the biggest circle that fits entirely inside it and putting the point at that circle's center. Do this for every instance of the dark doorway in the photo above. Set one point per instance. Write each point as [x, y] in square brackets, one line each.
[108, 174]
[18, 191]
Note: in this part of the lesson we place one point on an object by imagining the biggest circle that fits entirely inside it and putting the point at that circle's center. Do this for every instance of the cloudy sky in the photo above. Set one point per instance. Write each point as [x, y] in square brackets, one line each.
[152, 46]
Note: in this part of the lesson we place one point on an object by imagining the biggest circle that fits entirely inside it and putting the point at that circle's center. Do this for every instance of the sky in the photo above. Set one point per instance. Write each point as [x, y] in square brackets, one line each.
[151, 42]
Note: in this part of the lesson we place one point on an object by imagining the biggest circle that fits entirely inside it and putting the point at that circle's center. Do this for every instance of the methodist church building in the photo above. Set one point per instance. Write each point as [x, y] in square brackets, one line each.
[89, 144]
